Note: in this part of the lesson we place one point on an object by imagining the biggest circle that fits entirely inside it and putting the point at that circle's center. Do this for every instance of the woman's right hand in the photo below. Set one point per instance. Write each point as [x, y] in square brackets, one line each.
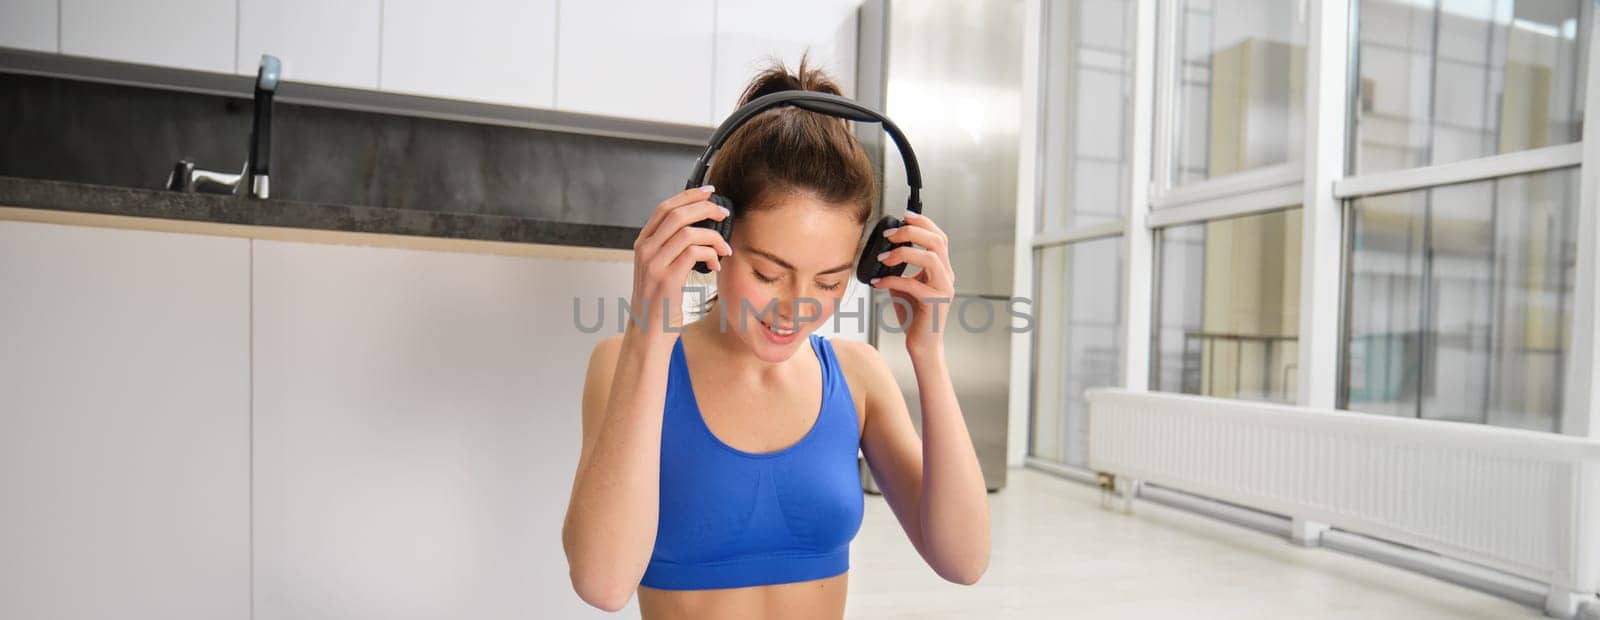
[666, 249]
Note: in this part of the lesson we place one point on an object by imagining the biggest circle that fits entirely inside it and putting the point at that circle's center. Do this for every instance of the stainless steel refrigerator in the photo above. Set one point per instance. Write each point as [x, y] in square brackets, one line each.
[951, 78]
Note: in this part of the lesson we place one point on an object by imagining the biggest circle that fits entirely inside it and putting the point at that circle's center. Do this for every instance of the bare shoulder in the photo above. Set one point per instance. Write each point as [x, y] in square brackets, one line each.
[607, 349]
[863, 367]
[855, 353]
[603, 359]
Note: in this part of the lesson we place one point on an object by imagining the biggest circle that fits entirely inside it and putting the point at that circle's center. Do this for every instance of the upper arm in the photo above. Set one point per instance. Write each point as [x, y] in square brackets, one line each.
[597, 391]
[890, 442]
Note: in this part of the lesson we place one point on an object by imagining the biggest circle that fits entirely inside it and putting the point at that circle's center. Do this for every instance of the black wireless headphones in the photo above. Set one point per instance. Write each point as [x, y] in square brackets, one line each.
[867, 266]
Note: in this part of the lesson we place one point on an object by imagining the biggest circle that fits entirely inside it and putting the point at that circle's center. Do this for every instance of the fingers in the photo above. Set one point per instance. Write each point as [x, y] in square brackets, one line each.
[923, 232]
[680, 218]
[682, 198]
[921, 221]
[694, 254]
[691, 237]
[918, 291]
[931, 238]
[932, 264]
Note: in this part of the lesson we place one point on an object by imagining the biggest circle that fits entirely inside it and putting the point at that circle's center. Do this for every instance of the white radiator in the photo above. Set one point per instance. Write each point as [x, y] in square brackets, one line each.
[1522, 502]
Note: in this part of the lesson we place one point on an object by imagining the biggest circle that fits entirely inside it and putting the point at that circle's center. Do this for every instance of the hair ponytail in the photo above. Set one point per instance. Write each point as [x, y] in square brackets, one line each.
[787, 149]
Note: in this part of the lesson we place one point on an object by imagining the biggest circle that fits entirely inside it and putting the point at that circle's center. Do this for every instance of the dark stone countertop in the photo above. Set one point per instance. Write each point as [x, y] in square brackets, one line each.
[222, 209]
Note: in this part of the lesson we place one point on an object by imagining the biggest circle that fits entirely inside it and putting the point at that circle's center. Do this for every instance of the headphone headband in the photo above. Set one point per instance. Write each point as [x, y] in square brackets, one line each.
[821, 103]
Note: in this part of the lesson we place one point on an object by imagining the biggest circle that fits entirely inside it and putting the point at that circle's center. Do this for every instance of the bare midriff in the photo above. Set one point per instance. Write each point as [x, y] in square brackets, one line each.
[808, 600]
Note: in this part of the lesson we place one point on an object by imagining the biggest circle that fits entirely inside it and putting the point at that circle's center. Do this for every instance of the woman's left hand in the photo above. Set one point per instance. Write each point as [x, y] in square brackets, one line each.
[930, 292]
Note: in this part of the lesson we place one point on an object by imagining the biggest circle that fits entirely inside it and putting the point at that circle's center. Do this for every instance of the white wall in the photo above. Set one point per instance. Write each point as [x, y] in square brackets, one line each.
[748, 36]
[187, 34]
[417, 421]
[496, 51]
[322, 42]
[30, 24]
[366, 432]
[124, 424]
[680, 62]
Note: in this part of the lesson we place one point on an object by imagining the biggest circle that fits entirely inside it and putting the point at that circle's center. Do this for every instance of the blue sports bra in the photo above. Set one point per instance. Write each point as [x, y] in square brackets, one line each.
[731, 518]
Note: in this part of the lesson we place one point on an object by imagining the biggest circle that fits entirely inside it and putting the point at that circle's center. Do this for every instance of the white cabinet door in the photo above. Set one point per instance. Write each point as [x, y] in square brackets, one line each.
[334, 43]
[417, 425]
[639, 59]
[124, 424]
[187, 34]
[750, 33]
[29, 24]
[496, 51]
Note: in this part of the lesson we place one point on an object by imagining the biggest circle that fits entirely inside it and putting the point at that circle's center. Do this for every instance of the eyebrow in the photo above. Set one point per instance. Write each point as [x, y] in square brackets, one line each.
[785, 264]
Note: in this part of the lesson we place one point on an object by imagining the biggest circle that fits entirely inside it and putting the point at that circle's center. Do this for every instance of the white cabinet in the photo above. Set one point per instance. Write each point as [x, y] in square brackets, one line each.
[29, 24]
[124, 424]
[750, 33]
[334, 43]
[187, 34]
[417, 423]
[497, 51]
[679, 62]
[637, 59]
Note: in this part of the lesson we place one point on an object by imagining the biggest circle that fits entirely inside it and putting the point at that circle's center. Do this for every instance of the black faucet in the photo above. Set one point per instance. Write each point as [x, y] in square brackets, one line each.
[261, 125]
[254, 178]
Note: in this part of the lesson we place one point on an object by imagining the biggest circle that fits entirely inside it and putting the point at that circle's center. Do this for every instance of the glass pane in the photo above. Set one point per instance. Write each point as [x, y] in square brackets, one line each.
[1228, 307]
[1089, 85]
[1461, 301]
[1449, 80]
[1077, 342]
[1241, 87]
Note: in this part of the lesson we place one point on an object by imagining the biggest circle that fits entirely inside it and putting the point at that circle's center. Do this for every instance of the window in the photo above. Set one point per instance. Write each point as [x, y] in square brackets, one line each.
[1078, 251]
[1459, 79]
[1088, 134]
[1241, 87]
[1460, 301]
[1078, 340]
[1446, 254]
[1228, 307]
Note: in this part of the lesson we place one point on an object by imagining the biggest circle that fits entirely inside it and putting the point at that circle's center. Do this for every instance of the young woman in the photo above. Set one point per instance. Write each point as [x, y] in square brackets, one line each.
[718, 473]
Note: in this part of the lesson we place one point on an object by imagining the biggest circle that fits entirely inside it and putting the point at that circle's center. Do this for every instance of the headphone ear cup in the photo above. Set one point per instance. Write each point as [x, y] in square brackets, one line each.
[724, 227]
[868, 267]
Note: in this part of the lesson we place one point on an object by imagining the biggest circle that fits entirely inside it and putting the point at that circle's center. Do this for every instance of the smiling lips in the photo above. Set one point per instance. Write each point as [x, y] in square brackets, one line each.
[779, 335]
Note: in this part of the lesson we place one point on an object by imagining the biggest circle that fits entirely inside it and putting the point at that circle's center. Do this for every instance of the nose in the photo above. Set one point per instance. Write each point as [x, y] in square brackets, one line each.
[791, 311]
[800, 292]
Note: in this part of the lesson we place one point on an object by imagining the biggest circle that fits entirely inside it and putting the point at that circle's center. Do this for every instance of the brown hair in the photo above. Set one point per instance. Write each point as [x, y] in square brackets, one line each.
[787, 150]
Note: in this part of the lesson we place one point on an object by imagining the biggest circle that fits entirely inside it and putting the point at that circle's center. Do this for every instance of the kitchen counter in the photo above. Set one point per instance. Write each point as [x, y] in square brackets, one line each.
[124, 207]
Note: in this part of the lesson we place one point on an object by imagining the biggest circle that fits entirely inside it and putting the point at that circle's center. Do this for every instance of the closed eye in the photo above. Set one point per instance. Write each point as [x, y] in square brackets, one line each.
[765, 279]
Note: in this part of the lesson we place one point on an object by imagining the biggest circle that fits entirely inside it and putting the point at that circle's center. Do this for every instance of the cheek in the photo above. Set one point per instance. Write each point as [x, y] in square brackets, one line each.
[737, 287]
[829, 300]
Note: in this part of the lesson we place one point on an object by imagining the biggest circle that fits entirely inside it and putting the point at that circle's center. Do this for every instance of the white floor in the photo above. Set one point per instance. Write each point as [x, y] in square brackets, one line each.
[1057, 554]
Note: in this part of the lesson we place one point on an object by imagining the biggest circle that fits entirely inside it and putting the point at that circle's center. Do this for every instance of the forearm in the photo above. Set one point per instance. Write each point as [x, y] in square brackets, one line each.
[954, 501]
[611, 523]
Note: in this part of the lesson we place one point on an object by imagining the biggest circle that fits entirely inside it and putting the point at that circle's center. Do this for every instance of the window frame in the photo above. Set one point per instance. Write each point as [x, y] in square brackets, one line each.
[1578, 415]
[1165, 192]
[1323, 184]
[1136, 150]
